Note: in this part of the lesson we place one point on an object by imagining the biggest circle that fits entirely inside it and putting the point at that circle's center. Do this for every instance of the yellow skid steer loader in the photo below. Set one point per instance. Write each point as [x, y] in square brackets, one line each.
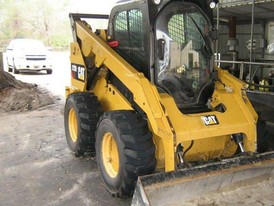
[147, 100]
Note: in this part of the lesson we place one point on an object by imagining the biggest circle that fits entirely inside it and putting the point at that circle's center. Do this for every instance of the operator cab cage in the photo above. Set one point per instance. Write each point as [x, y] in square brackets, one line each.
[170, 43]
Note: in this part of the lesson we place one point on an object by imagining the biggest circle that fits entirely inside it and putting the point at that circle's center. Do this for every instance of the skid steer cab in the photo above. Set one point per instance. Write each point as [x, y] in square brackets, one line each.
[145, 97]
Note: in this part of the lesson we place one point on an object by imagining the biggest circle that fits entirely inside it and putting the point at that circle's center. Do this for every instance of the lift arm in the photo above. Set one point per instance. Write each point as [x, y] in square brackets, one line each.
[145, 93]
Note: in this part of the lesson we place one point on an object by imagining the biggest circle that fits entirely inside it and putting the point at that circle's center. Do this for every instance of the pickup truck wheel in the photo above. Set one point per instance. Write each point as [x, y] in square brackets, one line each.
[49, 71]
[81, 115]
[9, 68]
[124, 151]
[15, 71]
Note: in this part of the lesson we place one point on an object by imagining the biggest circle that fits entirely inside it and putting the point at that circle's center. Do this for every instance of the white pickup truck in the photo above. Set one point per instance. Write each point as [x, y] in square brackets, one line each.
[28, 55]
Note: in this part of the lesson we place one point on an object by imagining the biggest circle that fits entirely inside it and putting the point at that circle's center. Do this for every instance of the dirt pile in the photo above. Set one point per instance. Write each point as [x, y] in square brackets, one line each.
[20, 96]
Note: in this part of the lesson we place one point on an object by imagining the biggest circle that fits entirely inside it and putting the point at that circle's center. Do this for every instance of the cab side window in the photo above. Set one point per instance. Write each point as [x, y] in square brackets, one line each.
[129, 32]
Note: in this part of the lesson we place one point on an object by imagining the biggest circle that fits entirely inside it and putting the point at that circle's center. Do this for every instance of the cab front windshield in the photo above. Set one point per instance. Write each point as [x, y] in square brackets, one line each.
[183, 52]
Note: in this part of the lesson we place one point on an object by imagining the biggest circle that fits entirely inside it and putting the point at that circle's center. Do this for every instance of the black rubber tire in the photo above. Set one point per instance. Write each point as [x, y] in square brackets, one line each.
[15, 71]
[49, 71]
[136, 150]
[9, 68]
[262, 141]
[87, 112]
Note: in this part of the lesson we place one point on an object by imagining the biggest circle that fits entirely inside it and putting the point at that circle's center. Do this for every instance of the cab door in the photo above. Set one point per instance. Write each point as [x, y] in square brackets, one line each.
[130, 30]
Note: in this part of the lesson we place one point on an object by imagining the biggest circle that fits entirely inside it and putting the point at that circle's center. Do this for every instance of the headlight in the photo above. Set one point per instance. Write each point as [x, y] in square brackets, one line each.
[213, 4]
[157, 1]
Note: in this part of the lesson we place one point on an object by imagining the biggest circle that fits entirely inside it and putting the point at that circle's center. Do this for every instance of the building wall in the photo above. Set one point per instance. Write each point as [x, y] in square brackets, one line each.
[242, 35]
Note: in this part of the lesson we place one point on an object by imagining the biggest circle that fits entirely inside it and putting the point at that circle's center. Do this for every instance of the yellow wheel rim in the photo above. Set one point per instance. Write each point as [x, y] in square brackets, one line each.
[110, 155]
[73, 125]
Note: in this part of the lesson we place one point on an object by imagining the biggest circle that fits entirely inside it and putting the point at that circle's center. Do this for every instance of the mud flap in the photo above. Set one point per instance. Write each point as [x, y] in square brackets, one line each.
[173, 188]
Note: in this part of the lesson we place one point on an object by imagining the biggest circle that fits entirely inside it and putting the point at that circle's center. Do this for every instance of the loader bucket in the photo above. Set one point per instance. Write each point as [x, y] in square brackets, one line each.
[173, 188]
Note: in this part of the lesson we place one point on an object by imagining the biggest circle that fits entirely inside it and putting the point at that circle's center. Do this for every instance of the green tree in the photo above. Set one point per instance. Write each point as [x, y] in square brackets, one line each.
[44, 20]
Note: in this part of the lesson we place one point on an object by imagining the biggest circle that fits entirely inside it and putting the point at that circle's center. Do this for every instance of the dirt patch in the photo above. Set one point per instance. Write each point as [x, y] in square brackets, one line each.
[19, 96]
[37, 166]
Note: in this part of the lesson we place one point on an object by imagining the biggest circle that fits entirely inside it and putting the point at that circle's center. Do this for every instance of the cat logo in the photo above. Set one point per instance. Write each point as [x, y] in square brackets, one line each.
[78, 72]
[210, 120]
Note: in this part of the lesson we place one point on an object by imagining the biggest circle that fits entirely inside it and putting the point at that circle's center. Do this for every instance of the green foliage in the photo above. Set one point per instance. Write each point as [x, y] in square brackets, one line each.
[46, 20]
[60, 41]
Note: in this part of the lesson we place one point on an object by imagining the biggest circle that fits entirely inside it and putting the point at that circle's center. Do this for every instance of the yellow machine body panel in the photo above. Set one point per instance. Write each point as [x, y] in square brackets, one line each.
[211, 131]
[147, 100]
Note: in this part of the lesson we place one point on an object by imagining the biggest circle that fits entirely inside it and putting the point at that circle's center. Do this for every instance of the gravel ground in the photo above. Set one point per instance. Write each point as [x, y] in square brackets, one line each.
[38, 169]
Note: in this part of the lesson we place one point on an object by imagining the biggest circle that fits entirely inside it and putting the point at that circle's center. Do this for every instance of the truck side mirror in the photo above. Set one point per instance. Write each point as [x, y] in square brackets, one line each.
[161, 48]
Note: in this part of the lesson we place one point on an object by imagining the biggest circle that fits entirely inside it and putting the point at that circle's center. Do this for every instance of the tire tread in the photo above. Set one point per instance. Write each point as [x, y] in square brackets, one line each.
[89, 111]
[138, 148]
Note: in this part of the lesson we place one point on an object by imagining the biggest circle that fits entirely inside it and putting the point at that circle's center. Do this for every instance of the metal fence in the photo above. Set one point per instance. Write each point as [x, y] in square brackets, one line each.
[231, 3]
[252, 73]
